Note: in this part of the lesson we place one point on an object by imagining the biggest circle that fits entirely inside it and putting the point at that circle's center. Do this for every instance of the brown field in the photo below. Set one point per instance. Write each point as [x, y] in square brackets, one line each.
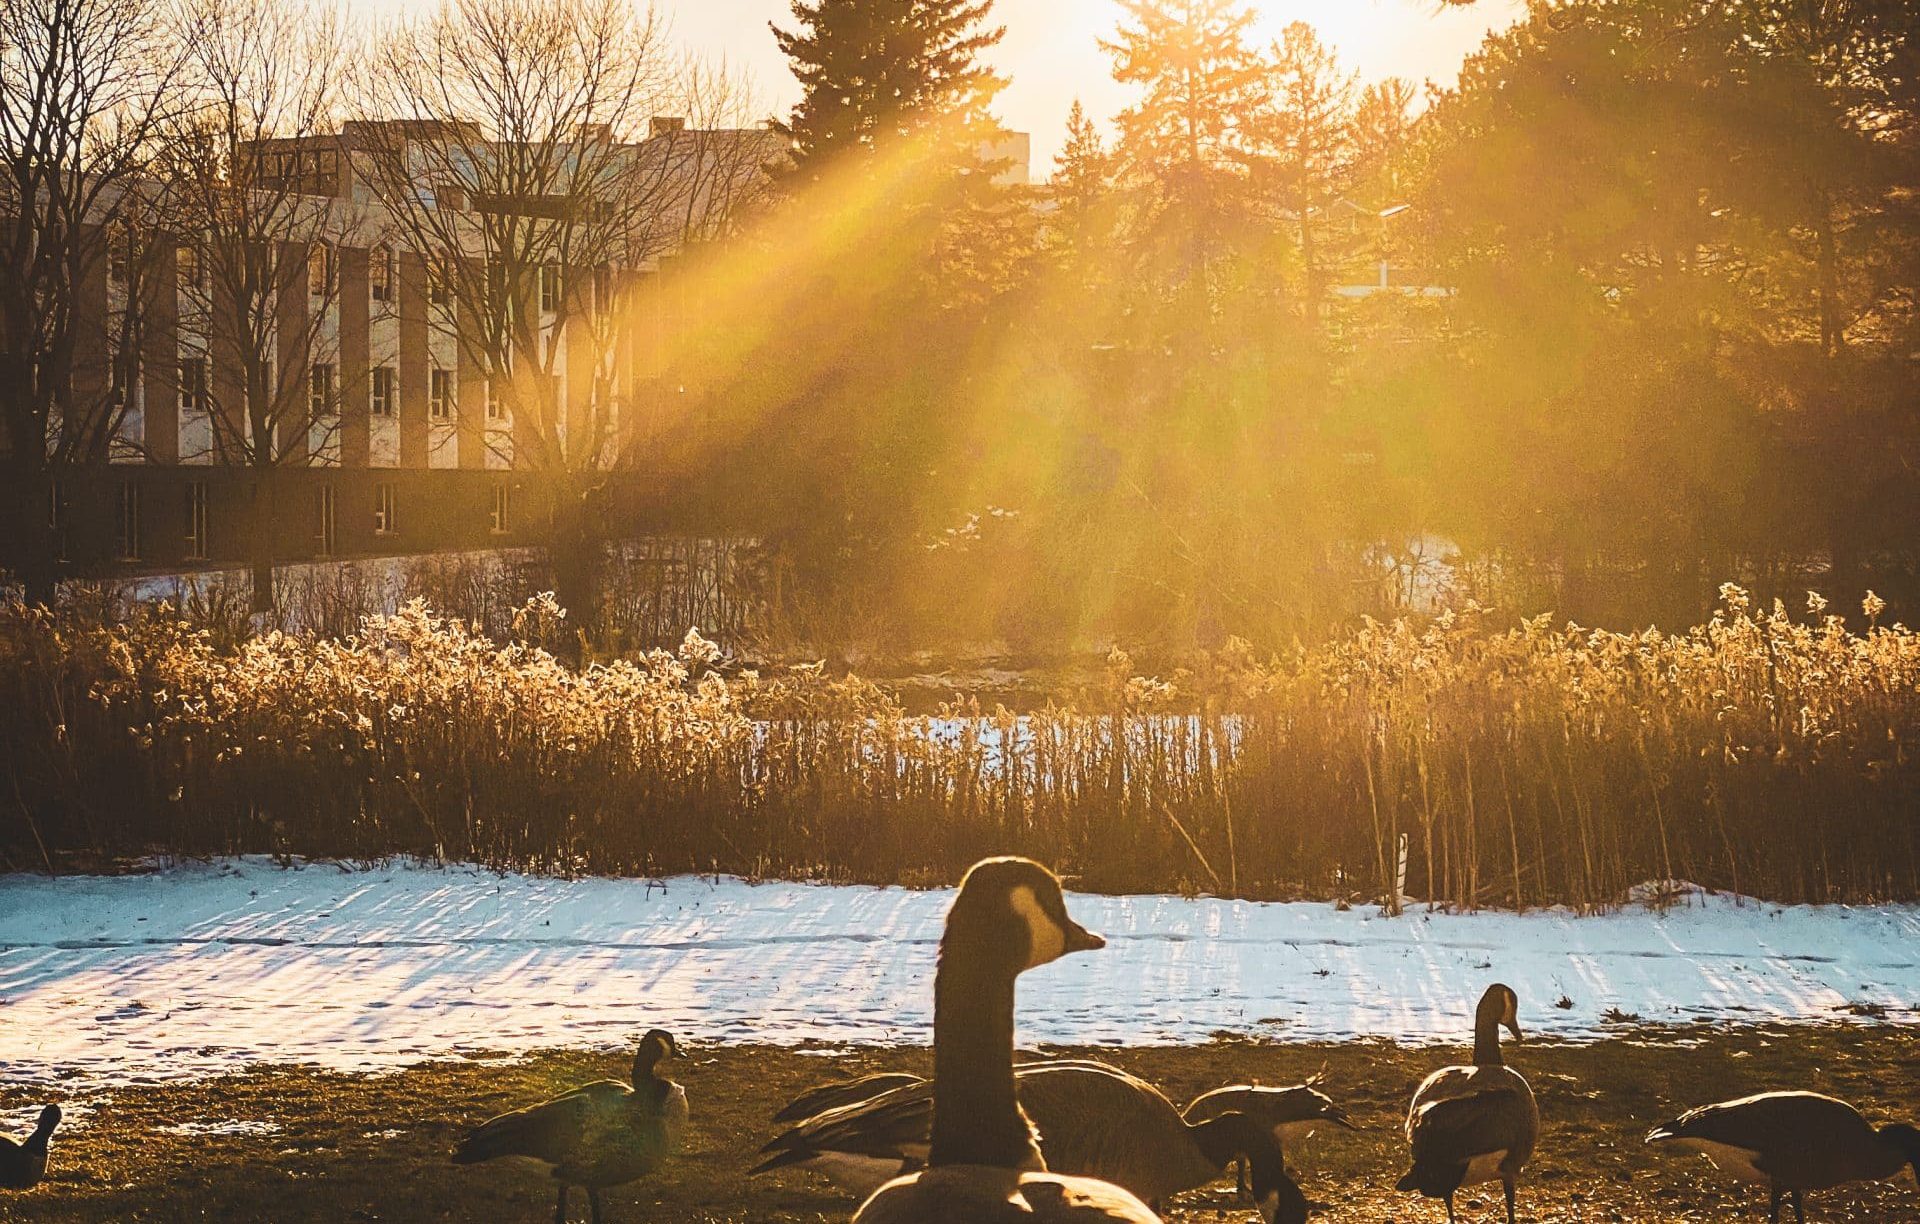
[348, 1148]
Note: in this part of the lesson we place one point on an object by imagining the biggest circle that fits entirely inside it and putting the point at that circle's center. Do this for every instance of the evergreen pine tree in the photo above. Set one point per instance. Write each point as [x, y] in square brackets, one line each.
[1082, 223]
[871, 70]
[1302, 145]
[1181, 145]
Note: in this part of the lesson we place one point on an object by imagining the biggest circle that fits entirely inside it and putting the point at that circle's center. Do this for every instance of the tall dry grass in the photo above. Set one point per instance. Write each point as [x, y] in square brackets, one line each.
[1480, 763]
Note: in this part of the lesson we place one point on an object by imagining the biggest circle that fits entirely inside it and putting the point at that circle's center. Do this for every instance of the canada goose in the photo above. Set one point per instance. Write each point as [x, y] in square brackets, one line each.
[1292, 1113]
[23, 1164]
[1093, 1120]
[1793, 1141]
[599, 1135]
[1473, 1124]
[984, 1166]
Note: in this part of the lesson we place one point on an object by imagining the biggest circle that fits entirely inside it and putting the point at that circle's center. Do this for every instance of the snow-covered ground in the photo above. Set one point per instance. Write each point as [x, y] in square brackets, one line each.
[209, 968]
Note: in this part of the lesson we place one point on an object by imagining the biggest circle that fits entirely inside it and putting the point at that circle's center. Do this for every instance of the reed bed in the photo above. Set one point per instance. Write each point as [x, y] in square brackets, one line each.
[1465, 762]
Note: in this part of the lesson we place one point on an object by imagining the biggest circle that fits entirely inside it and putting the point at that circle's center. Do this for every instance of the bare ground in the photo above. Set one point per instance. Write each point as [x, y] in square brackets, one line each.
[326, 1147]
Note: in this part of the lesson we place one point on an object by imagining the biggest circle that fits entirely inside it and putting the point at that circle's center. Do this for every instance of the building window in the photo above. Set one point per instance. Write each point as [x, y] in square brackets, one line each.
[439, 287]
[193, 385]
[320, 389]
[326, 538]
[603, 287]
[319, 270]
[193, 269]
[440, 394]
[196, 520]
[380, 397]
[129, 541]
[549, 288]
[380, 274]
[499, 519]
[383, 504]
[496, 397]
[126, 377]
[119, 260]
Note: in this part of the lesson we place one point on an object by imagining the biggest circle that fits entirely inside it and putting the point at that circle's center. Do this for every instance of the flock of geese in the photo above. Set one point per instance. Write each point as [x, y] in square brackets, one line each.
[1080, 1142]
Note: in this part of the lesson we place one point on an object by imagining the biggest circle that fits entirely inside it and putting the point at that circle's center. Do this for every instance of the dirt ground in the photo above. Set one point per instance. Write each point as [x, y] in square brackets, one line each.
[322, 1147]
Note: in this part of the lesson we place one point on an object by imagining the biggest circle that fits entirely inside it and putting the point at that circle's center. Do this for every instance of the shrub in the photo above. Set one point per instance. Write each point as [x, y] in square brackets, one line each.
[1482, 764]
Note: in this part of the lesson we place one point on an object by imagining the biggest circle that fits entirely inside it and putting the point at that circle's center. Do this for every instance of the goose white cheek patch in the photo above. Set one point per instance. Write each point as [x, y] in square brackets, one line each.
[1045, 938]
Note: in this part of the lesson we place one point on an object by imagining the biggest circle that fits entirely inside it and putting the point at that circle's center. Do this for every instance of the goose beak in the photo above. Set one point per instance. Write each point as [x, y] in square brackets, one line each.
[1080, 939]
[1513, 1026]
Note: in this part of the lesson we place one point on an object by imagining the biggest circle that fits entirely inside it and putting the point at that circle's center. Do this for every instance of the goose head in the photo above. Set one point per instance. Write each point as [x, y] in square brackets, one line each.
[50, 1118]
[1279, 1198]
[1500, 1006]
[656, 1047]
[1010, 913]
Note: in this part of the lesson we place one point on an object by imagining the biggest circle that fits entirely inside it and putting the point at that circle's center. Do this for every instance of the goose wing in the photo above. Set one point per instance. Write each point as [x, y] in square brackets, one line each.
[894, 1125]
[552, 1131]
[1098, 1121]
[972, 1194]
[838, 1095]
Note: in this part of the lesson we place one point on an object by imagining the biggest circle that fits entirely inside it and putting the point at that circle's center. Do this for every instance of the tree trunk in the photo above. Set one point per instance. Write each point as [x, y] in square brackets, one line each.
[36, 563]
[260, 552]
[576, 551]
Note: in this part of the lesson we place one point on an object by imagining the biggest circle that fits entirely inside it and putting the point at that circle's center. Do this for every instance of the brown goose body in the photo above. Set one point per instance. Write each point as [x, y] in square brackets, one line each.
[1792, 1142]
[1473, 1124]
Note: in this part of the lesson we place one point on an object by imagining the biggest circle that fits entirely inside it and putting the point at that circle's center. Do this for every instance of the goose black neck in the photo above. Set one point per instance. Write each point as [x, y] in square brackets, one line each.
[1904, 1140]
[976, 1118]
[37, 1141]
[1486, 1041]
[1222, 1138]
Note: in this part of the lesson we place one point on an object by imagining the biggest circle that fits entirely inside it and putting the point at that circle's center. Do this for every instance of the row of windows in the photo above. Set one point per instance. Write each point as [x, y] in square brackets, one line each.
[323, 269]
[197, 518]
[323, 390]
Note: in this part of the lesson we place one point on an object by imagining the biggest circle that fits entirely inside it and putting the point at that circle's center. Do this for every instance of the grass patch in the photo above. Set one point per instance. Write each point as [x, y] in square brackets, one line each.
[291, 1145]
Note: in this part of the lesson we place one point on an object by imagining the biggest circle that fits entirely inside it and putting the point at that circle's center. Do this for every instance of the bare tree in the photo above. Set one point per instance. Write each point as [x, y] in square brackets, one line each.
[83, 86]
[252, 192]
[538, 155]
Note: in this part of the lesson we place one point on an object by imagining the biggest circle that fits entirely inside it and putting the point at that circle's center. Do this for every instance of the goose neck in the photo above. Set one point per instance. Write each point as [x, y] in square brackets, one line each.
[976, 1117]
[1486, 1042]
[1218, 1139]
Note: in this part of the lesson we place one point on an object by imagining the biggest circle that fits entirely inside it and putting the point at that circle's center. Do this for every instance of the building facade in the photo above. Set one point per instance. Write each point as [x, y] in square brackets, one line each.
[398, 440]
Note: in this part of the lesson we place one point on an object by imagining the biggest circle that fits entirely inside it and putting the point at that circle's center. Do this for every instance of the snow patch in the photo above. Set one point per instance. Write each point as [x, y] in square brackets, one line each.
[209, 968]
[230, 1126]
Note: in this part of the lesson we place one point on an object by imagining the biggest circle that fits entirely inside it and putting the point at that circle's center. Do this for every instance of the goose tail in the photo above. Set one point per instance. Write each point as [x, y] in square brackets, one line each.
[781, 1160]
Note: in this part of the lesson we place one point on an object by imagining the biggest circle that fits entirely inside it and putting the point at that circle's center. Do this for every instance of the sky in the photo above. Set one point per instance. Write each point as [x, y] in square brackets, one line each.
[1051, 51]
